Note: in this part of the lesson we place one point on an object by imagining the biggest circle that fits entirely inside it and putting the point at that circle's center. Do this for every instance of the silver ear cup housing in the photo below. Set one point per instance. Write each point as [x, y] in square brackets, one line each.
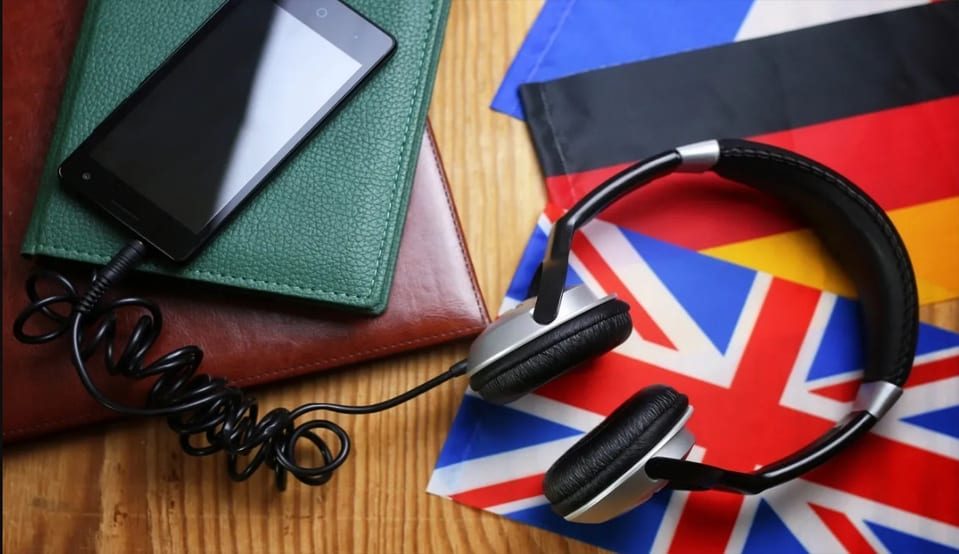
[517, 327]
[635, 487]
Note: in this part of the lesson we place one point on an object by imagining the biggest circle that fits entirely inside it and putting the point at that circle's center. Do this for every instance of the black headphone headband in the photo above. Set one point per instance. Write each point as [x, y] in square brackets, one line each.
[853, 228]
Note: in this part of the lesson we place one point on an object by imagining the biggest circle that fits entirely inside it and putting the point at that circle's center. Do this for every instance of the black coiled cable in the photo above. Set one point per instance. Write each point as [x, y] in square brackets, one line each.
[208, 413]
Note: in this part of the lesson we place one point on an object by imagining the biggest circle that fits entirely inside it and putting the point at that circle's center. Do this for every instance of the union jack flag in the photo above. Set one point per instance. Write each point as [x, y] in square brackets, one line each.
[768, 365]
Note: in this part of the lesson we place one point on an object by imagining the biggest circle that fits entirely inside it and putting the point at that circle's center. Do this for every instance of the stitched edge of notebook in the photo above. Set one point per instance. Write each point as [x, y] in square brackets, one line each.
[477, 297]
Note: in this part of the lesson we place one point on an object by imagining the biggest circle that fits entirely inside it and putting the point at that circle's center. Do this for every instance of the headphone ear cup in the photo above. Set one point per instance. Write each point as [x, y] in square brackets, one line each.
[613, 448]
[544, 358]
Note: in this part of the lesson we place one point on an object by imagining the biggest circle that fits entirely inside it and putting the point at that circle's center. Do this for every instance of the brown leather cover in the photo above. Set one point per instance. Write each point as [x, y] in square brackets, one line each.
[251, 339]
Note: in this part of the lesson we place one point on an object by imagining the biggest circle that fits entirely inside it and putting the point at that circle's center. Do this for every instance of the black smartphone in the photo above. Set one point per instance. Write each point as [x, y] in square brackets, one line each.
[207, 127]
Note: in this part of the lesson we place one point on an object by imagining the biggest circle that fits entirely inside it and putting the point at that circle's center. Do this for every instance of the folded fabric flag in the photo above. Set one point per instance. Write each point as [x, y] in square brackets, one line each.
[768, 366]
[876, 98]
[571, 36]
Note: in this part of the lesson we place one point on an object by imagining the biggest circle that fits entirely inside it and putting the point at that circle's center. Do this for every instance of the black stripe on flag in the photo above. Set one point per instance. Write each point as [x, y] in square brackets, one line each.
[623, 113]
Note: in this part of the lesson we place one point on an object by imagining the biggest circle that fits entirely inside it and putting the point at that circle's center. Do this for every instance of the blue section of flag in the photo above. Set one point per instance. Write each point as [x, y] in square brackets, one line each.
[481, 429]
[769, 534]
[837, 354]
[571, 36]
[932, 339]
[897, 541]
[634, 531]
[945, 421]
[688, 273]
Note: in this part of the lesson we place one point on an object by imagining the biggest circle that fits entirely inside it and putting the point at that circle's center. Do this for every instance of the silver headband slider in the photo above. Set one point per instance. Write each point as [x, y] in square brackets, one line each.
[876, 397]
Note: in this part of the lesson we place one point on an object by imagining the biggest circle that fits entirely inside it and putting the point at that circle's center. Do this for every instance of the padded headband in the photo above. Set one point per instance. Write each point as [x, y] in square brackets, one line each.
[852, 227]
[856, 232]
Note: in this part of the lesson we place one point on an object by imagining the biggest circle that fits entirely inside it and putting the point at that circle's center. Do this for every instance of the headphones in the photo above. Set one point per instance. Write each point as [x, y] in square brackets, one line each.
[640, 448]
[637, 450]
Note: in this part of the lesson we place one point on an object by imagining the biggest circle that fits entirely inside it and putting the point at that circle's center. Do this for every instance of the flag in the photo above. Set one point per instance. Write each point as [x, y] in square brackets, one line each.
[876, 98]
[572, 36]
[768, 365]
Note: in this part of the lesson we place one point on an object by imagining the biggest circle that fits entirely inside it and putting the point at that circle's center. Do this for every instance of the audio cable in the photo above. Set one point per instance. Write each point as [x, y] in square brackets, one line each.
[208, 413]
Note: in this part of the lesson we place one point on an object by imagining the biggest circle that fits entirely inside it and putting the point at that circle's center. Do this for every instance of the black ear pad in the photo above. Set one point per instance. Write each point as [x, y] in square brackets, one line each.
[546, 357]
[613, 447]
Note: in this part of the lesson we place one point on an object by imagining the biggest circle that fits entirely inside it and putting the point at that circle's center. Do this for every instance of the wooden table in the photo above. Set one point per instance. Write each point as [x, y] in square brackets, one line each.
[127, 488]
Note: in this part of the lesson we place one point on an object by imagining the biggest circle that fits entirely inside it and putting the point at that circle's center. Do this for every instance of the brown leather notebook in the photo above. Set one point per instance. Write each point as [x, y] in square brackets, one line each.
[251, 339]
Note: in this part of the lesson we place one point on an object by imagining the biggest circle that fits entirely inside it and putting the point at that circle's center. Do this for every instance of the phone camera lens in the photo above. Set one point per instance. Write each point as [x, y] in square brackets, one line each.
[86, 176]
[321, 12]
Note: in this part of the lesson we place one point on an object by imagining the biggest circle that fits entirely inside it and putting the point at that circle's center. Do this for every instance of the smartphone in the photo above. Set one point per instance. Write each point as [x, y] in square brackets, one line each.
[208, 127]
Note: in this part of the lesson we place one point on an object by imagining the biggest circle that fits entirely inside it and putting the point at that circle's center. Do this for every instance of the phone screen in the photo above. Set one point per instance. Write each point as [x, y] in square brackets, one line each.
[211, 123]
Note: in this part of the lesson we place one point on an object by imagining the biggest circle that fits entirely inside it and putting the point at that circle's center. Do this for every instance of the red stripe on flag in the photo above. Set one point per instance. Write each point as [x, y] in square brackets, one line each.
[934, 371]
[707, 522]
[896, 474]
[921, 374]
[901, 157]
[607, 278]
[843, 392]
[850, 537]
[601, 385]
[744, 426]
[554, 212]
[501, 493]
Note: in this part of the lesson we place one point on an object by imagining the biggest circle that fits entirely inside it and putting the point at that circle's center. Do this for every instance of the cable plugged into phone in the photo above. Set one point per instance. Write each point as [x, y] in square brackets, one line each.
[208, 413]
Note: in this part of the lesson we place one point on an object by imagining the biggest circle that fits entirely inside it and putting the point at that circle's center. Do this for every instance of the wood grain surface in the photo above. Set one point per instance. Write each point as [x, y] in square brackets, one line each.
[127, 488]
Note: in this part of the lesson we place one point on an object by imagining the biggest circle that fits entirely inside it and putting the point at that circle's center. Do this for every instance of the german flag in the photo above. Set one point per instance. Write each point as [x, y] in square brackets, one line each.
[876, 98]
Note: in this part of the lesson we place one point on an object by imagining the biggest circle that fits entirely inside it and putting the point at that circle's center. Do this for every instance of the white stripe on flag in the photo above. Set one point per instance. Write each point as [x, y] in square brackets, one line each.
[921, 399]
[791, 502]
[796, 393]
[677, 501]
[810, 530]
[557, 412]
[497, 468]
[937, 355]
[769, 17]
[695, 355]
[517, 505]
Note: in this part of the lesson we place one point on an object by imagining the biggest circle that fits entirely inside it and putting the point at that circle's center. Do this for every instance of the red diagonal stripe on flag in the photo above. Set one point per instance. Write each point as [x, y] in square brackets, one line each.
[500, 493]
[707, 522]
[933, 371]
[607, 278]
[903, 470]
[921, 374]
[843, 392]
[851, 539]
[613, 378]
[741, 427]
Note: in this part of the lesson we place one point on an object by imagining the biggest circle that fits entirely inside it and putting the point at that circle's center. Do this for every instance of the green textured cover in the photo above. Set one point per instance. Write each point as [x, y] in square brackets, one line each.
[327, 225]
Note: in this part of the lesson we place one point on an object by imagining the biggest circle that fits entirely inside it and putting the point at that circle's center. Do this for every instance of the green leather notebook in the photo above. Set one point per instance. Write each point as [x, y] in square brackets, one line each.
[327, 226]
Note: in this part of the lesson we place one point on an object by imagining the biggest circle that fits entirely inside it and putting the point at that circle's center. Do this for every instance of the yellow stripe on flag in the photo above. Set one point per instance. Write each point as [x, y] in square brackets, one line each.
[930, 230]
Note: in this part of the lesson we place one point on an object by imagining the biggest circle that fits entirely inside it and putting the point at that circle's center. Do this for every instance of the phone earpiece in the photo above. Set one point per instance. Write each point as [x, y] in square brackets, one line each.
[593, 328]
[602, 475]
